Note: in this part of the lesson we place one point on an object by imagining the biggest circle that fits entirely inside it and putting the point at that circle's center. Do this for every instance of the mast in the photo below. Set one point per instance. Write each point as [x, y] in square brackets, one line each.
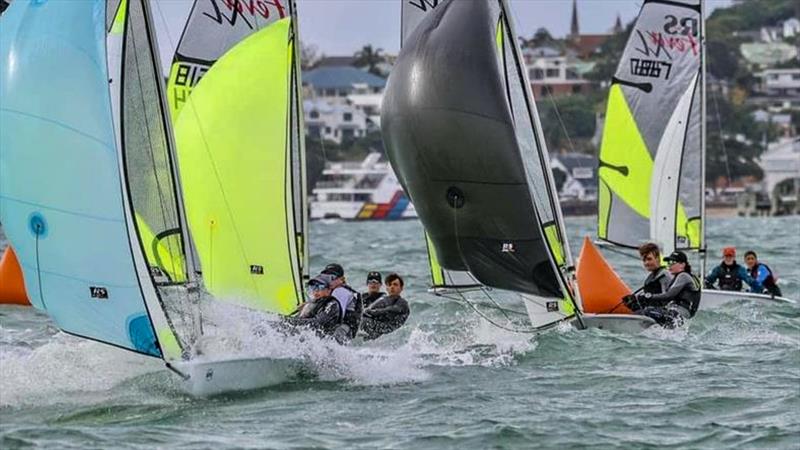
[297, 104]
[191, 272]
[548, 172]
[703, 245]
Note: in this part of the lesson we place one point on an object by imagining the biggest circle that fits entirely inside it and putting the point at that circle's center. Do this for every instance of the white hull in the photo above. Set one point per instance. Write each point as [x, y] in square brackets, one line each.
[207, 378]
[714, 298]
[620, 323]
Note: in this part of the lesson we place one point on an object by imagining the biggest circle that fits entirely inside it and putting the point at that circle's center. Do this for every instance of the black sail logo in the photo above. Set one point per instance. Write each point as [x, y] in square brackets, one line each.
[424, 4]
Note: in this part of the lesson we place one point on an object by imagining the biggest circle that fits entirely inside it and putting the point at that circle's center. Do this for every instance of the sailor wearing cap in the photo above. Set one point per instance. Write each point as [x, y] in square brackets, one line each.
[322, 311]
[679, 302]
[374, 281]
[729, 275]
[349, 300]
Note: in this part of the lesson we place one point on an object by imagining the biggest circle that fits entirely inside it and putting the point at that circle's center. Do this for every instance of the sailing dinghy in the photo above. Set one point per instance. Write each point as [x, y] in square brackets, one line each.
[462, 133]
[103, 241]
[652, 156]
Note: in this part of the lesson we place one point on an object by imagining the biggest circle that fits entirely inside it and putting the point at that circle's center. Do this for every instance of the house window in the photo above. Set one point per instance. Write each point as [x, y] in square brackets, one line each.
[314, 114]
[330, 92]
[347, 117]
[572, 74]
[537, 74]
[551, 73]
[327, 130]
[347, 134]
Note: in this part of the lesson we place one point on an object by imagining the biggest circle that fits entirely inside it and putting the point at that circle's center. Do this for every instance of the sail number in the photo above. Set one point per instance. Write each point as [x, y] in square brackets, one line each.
[650, 68]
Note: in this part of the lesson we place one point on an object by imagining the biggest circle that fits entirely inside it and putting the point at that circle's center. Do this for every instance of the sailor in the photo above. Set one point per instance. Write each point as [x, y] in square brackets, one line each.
[678, 303]
[388, 313]
[729, 275]
[767, 282]
[321, 312]
[658, 278]
[349, 300]
[374, 292]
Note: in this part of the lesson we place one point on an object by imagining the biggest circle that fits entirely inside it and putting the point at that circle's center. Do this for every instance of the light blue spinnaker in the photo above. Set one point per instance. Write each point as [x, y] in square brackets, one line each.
[61, 193]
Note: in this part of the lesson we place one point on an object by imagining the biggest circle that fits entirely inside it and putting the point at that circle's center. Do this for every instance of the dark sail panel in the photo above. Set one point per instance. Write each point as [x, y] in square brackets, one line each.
[450, 135]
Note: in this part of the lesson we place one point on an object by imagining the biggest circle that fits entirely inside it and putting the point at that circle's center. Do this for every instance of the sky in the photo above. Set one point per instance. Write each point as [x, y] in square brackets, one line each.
[342, 27]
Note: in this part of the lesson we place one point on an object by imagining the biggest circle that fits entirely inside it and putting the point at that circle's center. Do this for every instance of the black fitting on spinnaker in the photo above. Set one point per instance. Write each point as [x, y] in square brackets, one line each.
[455, 198]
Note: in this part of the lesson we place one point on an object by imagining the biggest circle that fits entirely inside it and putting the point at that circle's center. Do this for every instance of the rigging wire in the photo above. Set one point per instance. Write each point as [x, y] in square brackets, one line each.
[463, 298]
[190, 105]
[560, 120]
[151, 153]
[722, 138]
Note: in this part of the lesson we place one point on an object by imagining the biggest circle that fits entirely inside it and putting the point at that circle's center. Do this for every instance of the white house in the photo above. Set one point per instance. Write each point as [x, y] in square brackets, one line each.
[578, 176]
[334, 121]
[552, 71]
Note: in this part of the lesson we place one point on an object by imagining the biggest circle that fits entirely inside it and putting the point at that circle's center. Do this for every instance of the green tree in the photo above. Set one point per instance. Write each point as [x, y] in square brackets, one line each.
[369, 57]
[568, 122]
[734, 140]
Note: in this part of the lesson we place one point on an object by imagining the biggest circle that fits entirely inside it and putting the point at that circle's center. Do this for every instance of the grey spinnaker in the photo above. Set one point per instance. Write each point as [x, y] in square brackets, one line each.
[460, 157]
[650, 161]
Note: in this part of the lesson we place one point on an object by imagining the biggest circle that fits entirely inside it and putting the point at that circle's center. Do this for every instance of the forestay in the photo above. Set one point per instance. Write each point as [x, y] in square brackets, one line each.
[74, 229]
[466, 146]
[651, 157]
[234, 91]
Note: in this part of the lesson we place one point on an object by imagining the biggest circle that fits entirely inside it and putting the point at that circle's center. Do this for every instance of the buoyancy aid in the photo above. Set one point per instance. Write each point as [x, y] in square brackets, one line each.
[652, 284]
[729, 279]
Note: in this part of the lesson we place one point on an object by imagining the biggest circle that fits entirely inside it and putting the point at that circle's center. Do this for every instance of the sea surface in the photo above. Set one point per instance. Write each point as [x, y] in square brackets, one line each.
[449, 379]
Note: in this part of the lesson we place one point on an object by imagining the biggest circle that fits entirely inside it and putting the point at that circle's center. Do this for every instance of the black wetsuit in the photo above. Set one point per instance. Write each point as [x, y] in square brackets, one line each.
[657, 282]
[384, 316]
[678, 303]
[323, 315]
[368, 299]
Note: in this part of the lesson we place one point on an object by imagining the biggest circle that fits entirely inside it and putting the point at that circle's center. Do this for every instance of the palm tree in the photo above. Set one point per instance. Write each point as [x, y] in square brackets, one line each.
[370, 58]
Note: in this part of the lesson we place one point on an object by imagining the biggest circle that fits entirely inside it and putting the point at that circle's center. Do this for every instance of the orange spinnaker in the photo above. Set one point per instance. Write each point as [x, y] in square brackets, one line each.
[600, 287]
[12, 285]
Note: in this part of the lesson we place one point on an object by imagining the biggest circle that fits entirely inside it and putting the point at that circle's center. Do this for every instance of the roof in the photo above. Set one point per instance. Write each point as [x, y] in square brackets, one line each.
[768, 53]
[587, 175]
[586, 44]
[333, 61]
[341, 77]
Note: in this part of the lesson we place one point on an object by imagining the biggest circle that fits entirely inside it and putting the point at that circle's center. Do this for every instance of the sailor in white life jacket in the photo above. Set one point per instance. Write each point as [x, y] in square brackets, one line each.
[350, 301]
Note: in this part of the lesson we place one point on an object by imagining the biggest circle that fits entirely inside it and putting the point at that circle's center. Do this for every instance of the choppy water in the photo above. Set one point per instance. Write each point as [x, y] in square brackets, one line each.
[449, 379]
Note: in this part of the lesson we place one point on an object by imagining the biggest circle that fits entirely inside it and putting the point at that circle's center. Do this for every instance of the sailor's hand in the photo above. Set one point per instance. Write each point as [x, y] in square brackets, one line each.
[646, 296]
[629, 300]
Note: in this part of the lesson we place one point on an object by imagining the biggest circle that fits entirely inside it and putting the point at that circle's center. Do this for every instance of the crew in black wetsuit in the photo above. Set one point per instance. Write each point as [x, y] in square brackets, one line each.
[678, 303]
[762, 274]
[388, 313]
[373, 289]
[658, 278]
[322, 311]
